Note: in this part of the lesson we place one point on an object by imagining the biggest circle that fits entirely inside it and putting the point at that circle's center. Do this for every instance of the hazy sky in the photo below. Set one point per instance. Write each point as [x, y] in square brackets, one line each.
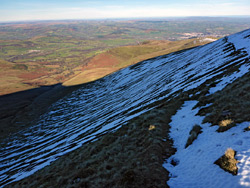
[15, 10]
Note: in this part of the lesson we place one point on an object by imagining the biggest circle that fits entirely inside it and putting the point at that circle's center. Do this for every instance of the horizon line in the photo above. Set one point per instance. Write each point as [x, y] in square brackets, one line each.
[123, 18]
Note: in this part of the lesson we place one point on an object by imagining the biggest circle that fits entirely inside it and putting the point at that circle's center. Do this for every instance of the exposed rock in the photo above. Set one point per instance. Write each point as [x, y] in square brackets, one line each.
[196, 130]
[227, 162]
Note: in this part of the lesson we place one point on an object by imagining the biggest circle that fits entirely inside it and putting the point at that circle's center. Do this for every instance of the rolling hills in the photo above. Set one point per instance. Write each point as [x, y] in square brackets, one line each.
[44, 53]
[19, 76]
[130, 128]
[121, 57]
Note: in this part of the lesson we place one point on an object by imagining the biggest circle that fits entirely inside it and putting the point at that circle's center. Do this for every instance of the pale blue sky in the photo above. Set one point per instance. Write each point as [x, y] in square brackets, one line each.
[17, 10]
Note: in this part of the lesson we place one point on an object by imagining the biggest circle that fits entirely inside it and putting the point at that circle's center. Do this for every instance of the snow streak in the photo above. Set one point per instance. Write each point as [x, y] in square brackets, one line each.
[108, 103]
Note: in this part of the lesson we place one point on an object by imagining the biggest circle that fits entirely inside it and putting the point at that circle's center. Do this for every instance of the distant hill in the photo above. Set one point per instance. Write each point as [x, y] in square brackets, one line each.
[46, 53]
[120, 57]
[22, 76]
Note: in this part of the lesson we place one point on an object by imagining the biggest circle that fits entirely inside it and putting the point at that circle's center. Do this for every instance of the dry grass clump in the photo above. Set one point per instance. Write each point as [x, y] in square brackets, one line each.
[226, 124]
[193, 134]
[227, 162]
[151, 127]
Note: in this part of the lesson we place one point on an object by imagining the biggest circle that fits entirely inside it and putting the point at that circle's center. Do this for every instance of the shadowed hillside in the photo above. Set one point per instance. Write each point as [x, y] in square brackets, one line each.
[19, 110]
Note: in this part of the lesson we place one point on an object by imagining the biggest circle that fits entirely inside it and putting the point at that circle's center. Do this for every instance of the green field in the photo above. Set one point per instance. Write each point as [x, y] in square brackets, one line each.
[55, 51]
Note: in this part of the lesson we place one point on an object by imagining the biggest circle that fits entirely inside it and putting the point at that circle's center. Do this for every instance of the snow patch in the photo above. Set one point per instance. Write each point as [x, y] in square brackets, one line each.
[229, 79]
[196, 166]
[241, 41]
[208, 40]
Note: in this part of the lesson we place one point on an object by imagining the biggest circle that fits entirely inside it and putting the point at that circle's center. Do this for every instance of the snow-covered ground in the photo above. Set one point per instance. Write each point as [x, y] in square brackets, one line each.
[228, 79]
[195, 164]
[207, 40]
[109, 103]
[241, 41]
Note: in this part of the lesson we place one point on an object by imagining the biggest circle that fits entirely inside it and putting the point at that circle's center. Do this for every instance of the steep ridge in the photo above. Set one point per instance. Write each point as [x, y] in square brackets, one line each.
[106, 104]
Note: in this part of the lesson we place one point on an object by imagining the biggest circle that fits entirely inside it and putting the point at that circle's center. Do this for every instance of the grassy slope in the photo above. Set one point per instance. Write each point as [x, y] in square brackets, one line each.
[29, 71]
[120, 57]
[10, 80]
[134, 154]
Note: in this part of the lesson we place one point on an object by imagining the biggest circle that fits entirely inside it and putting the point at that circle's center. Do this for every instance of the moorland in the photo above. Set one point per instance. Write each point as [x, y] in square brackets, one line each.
[34, 54]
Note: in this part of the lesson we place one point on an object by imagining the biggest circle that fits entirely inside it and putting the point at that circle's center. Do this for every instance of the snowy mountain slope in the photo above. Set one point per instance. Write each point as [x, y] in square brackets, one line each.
[104, 105]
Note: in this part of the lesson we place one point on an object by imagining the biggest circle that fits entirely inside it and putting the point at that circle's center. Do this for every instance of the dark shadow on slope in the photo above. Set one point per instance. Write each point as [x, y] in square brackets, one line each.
[19, 110]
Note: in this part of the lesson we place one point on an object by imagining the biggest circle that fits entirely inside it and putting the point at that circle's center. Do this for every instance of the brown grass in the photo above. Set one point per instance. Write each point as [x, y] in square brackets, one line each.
[225, 122]
[32, 74]
[9, 78]
[89, 76]
[151, 127]
[121, 57]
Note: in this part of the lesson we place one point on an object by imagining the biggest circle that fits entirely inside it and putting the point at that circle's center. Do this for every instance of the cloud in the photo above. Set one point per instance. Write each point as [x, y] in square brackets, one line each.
[110, 11]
